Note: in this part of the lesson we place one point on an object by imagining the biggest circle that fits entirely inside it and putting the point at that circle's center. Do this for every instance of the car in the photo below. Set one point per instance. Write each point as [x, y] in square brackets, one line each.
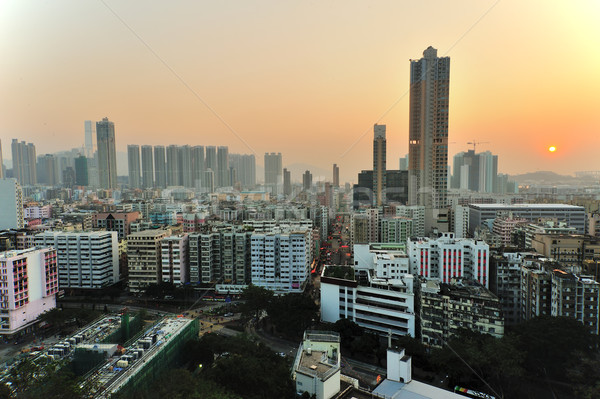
[228, 314]
[169, 297]
[282, 354]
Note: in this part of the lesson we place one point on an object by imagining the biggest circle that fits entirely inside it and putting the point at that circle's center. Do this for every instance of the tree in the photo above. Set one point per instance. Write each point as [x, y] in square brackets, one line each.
[291, 314]
[256, 299]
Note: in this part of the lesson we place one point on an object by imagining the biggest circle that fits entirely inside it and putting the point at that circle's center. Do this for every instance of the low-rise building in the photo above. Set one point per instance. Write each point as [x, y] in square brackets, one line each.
[317, 365]
[378, 304]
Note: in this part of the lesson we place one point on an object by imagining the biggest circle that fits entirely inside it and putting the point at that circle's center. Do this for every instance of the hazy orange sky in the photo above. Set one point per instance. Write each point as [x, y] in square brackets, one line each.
[308, 79]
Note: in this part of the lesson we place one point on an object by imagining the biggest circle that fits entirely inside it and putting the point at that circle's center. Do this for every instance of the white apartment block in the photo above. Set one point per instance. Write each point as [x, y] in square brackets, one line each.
[448, 257]
[281, 261]
[11, 198]
[144, 258]
[460, 219]
[417, 214]
[174, 254]
[37, 212]
[381, 260]
[29, 282]
[85, 259]
[382, 305]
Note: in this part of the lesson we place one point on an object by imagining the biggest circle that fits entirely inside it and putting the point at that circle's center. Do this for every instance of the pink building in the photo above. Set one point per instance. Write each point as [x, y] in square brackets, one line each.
[29, 284]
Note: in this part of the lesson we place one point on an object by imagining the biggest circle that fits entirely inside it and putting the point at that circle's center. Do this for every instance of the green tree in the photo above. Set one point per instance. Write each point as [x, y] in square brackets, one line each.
[256, 299]
[291, 314]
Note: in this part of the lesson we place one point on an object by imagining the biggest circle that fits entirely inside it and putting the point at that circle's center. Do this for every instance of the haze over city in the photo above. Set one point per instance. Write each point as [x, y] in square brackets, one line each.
[308, 80]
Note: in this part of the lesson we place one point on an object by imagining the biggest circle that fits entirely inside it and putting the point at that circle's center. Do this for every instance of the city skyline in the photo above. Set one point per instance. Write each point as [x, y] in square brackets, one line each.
[311, 94]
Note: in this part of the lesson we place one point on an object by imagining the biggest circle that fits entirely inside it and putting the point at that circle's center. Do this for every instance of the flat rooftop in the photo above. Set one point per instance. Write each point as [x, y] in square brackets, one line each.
[315, 363]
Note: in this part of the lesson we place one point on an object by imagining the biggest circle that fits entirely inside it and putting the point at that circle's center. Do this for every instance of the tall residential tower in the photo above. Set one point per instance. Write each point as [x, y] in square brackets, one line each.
[428, 131]
[379, 155]
[107, 154]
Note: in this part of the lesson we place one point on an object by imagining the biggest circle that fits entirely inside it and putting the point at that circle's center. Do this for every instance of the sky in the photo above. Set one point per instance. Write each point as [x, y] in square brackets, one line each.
[308, 79]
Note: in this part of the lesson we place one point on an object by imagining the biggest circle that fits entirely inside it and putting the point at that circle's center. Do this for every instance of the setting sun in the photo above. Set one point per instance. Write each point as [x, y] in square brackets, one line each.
[552, 149]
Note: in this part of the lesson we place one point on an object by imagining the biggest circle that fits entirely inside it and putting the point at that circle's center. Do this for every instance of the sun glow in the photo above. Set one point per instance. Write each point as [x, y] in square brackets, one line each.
[552, 148]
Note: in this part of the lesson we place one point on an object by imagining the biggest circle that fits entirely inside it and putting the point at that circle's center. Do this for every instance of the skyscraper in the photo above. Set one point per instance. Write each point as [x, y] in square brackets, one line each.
[379, 158]
[173, 166]
[147, 172]
[24, 162]
[210, 162]
[133, 165]
[336, 175]
[160, 167]
[47, 170]
[81, 171]
[475, 172]
[307, 180]
[428, 130]
[107, 154]
[198, 165]
[273, 169]
[186, 176]
[287, 182]
[245, 165]
[222, 167]
[89, 138]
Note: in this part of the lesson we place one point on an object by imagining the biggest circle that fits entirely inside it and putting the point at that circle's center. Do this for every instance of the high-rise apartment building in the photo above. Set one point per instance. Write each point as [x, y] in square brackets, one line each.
[90, 130]
[223, 167]
[147, 167]
[475, 172]
[133, 166]
[144, 258]
[46, 170]
[336, 175]
[173, 171]
[210, 161]
[85, 259]
[287, 182]
[379, 168]
[198, 165]
[447, 258]
[186, 171]
[175, 265]
[428, 131]
[245, 166]
[281, 261]
[160, 167]
[11, 198]
[24, 162]
[107, 154]
[307, 180]
[273, 170]
[30, 282]
[81, 171]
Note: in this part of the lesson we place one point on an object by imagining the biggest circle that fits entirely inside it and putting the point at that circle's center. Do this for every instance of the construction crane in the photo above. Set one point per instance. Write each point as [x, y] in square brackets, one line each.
[474, 143]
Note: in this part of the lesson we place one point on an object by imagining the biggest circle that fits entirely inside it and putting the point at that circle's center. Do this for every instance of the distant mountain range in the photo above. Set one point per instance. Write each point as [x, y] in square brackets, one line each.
[548, 177]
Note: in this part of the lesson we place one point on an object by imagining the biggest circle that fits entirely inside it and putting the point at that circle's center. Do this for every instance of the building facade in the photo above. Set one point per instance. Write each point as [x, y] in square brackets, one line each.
[428, 130]
[87, 260]
[107, 154]
[30, 282]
